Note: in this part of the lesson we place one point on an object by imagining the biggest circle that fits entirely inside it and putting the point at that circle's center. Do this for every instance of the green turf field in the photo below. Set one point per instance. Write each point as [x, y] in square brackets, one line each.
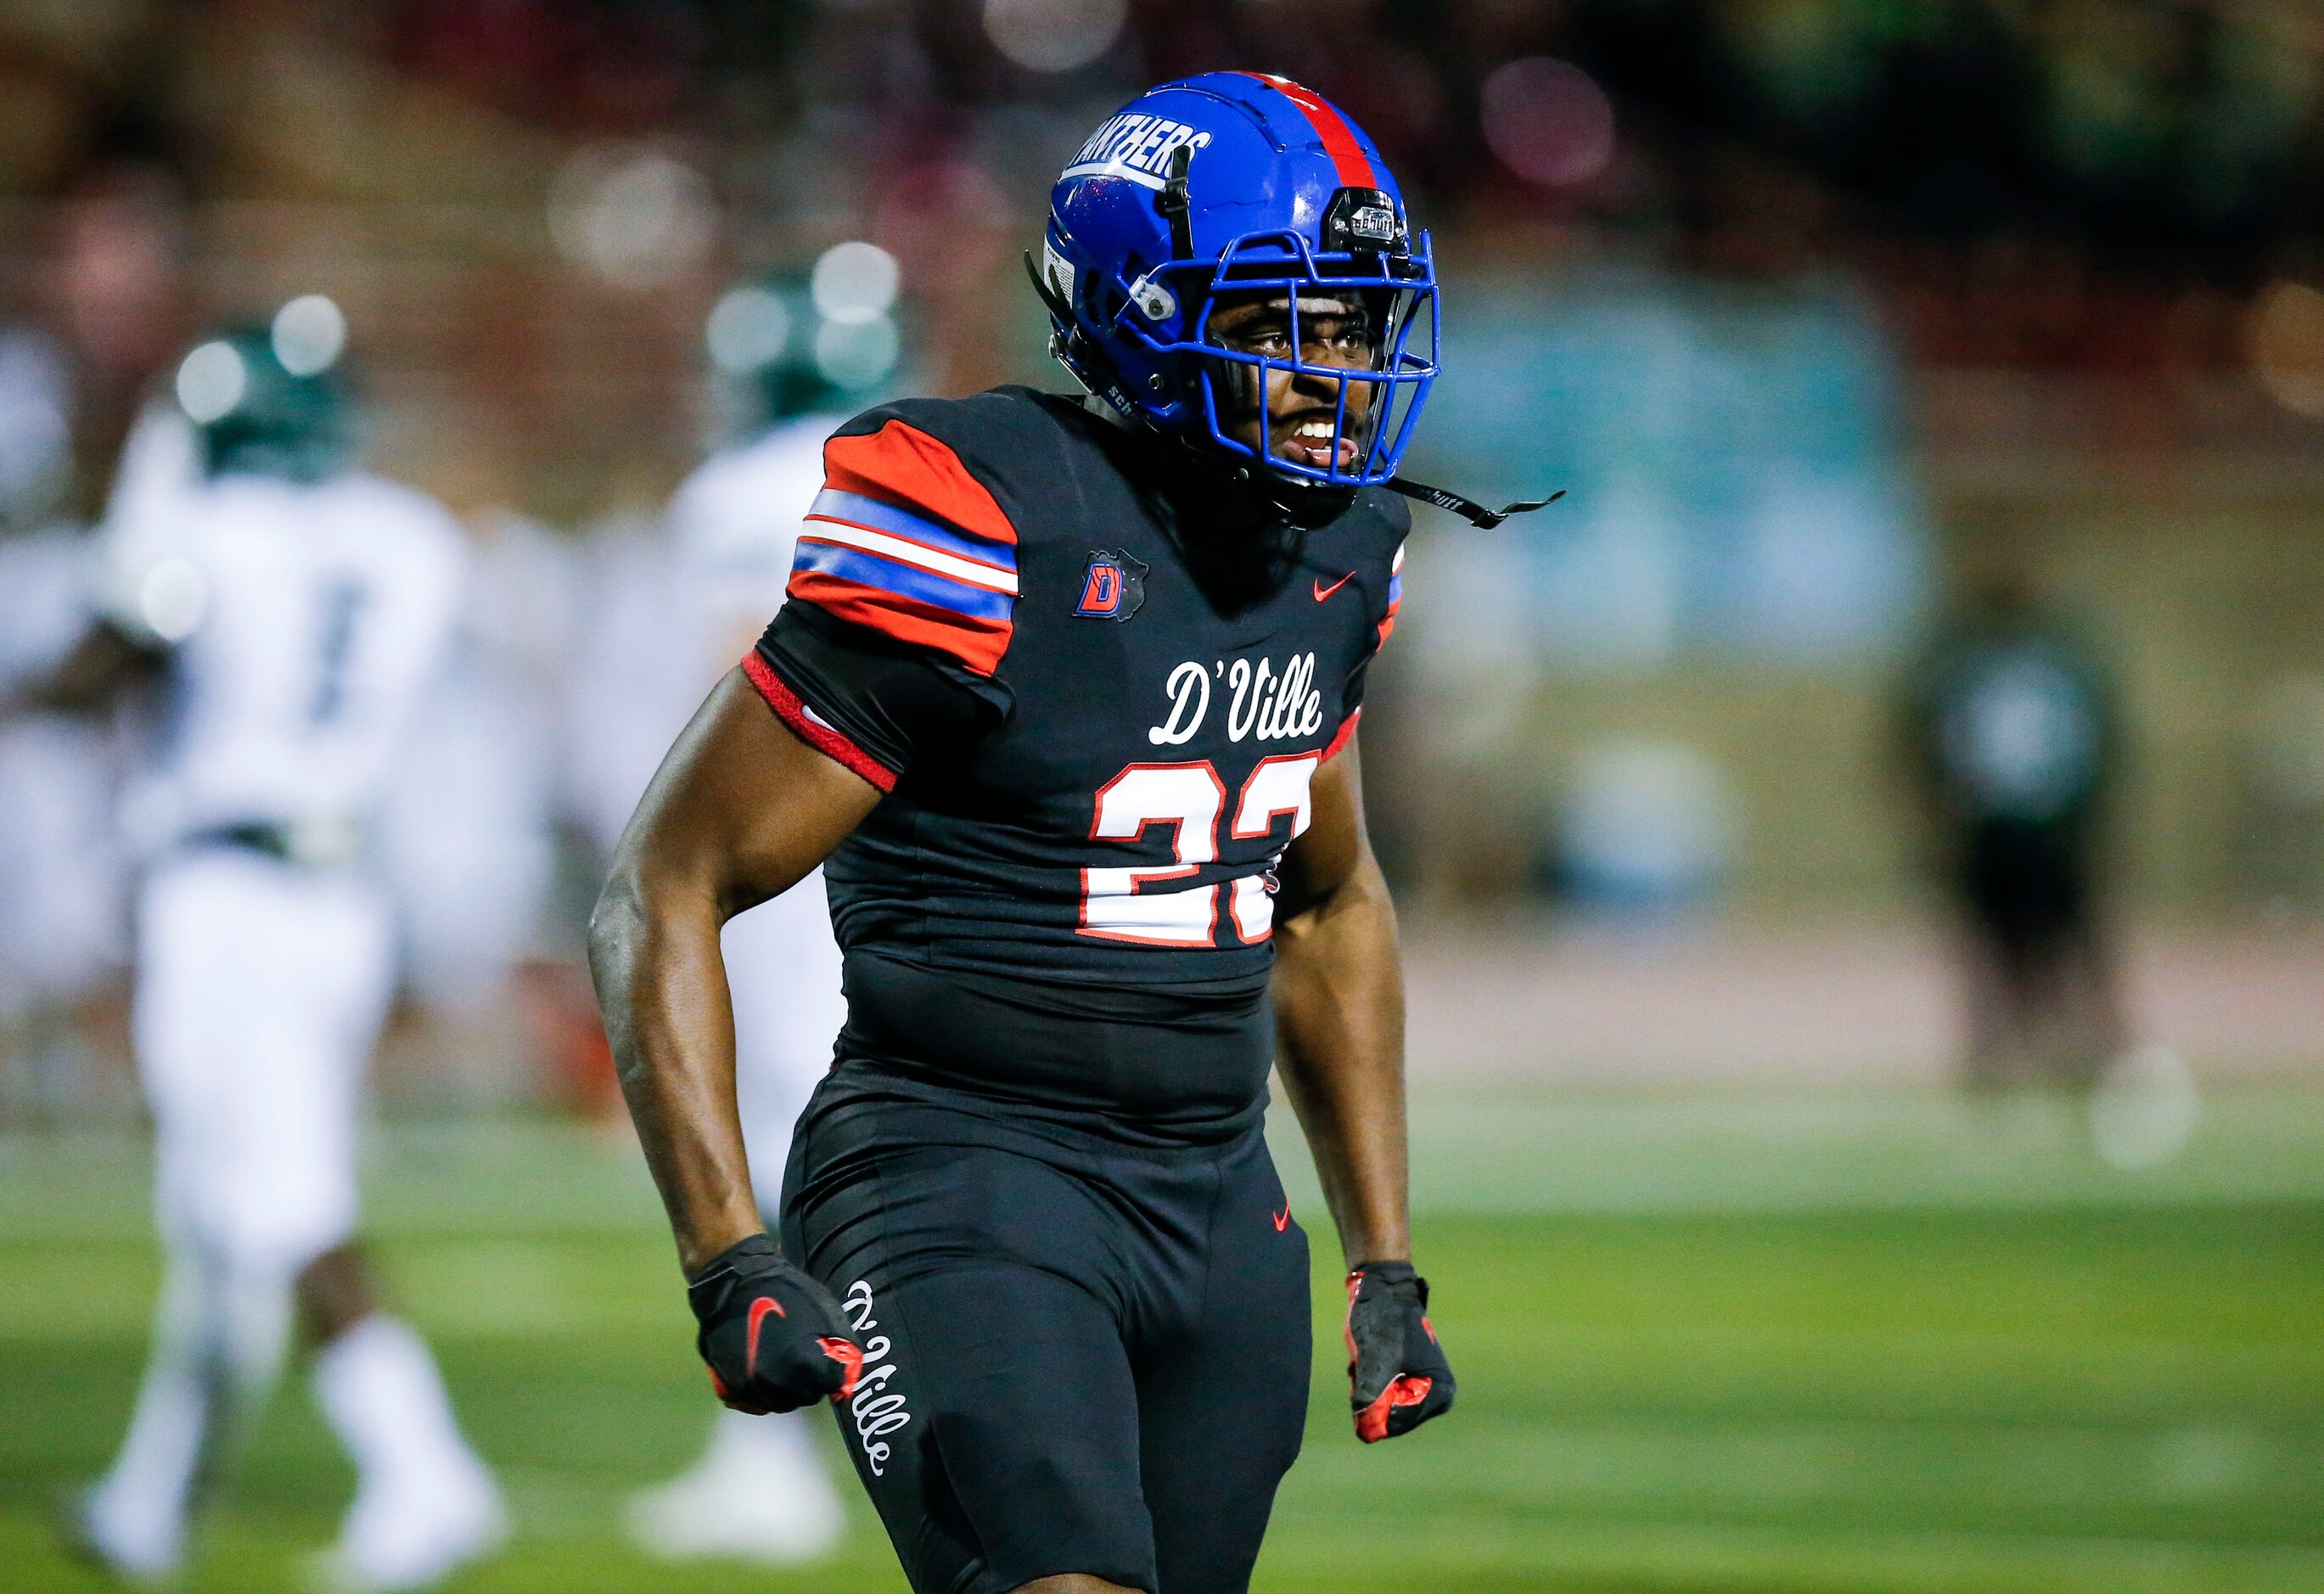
[1863, 1343]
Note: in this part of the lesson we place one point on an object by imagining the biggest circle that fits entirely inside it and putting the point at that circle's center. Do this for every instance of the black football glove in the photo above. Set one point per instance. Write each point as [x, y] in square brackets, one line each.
[1397, 1376]
[772, 1336]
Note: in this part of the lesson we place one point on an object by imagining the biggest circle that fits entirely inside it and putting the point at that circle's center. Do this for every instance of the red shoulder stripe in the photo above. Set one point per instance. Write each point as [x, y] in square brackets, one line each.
[977, 643]
[1348, 157]
[1341, 737]
[821, 737]
[903, 465]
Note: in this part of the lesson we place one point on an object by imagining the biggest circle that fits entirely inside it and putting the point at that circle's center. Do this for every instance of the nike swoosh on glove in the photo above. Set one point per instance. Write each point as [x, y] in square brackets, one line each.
[1397, 1376]
[772, 1336]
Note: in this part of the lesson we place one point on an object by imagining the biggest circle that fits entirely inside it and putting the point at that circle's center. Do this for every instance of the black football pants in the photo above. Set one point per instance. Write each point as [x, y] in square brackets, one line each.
[1080, 1358]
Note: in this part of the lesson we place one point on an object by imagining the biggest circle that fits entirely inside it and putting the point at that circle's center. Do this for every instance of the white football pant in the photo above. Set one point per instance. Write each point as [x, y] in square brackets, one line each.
[260, 990]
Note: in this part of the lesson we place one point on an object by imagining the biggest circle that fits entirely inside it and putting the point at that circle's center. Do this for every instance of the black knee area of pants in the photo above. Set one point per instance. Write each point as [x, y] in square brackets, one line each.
[1079, 1357]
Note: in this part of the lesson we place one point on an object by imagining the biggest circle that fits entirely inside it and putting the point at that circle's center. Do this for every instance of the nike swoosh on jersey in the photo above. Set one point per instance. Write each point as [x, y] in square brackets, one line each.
[1323, 592]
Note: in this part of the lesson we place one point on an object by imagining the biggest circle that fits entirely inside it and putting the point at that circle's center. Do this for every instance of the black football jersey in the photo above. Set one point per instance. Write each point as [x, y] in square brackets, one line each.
[1094, 745]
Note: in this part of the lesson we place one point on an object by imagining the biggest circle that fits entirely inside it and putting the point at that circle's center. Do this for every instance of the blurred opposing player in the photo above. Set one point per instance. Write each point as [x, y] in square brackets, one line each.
[2013, 742]
[1067, 693]
[793, 356]
[297, 607]
[61, 881]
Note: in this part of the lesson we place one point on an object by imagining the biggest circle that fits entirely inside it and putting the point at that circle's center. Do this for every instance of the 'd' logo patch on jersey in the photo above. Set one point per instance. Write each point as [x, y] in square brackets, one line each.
[1112, 586]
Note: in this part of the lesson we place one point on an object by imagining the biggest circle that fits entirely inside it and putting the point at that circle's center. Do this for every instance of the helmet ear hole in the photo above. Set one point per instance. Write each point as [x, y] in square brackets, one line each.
[1106, 302]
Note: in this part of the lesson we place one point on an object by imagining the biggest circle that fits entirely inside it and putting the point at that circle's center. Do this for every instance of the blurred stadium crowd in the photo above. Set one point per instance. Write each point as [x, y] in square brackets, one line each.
[1819, 308]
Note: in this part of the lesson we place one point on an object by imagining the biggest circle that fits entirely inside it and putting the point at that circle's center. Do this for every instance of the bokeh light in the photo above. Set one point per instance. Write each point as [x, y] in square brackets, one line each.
[856, 353]
[2145, 1110]
[211, 381]
[2285, 337]
[173, 596]
[633, 216]
[854, 281]
[1547, 121]
[1054, 35]
[308, 335]
[748, 328]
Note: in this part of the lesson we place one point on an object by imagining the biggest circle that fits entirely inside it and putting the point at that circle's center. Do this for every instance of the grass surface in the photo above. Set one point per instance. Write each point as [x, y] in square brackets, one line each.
[1859, 1344]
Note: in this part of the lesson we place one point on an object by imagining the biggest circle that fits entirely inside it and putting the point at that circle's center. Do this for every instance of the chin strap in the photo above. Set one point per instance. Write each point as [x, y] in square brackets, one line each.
[1469, 508]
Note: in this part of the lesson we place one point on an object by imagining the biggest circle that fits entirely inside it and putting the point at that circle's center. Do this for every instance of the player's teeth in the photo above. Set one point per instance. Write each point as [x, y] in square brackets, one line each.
[1315, 428]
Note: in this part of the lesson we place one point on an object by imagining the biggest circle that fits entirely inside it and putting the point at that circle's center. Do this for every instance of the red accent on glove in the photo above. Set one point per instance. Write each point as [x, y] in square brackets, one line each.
[847, 1355]
[1371, 1423]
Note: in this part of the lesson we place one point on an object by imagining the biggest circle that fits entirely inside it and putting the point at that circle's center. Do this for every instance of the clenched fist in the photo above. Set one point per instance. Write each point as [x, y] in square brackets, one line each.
[1397, 1376]
[772, 1336]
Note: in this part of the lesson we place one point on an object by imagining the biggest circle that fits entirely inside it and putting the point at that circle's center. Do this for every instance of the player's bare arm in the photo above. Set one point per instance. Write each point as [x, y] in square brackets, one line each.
[1339, 1008]
[1339, 1013]
[741, 811]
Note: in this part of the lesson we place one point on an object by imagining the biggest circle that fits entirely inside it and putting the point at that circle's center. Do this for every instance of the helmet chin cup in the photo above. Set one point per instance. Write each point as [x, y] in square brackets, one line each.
[1236, 183]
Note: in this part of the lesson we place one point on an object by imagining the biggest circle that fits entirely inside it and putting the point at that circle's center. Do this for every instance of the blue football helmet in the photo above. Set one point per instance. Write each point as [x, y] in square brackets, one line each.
[1231, 182]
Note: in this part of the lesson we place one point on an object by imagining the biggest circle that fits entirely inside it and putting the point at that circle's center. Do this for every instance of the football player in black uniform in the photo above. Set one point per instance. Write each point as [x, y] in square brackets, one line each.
[1064, 701]
[2014, 742]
